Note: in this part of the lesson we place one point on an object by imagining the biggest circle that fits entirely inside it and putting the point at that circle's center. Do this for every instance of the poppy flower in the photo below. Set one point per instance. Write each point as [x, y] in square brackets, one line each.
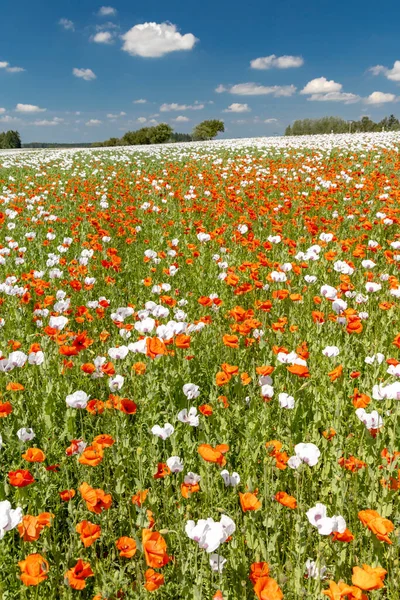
[340, 590]
[249, 501]
[139, 368]
[213, 455]
[104, 440]
[31, 527]
[222, 378]
[91, 456]
[96, 499]
[89, 532]
[206, 410]
[76, 577]
[155, 549]
[346, 536]
[14, 387]
[34, 455]
[259, 569]
[127, 547]
[189, 488]
[5, 409]
[286, 500]
[368, 578]
[139, 498]
[34, 569]
[231, 341]
[267, 588]
[378, 525]
[66, 495]
[155, 347]
[299, 370]
[154, 580]
[162, 471]
[20, 478]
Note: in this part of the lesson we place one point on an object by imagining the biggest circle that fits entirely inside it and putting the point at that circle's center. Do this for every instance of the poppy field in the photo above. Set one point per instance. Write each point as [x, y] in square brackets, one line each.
[200, 371]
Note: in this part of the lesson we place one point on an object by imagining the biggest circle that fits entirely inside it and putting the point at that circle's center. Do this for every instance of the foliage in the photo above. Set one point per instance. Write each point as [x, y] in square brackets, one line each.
[339, 125]
[10, 139]
[207, 130]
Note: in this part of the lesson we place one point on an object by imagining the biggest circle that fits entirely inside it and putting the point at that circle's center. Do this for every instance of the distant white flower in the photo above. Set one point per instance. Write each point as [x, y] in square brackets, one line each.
[58, 322]
[217, 563]
[371, 420]
[313, 571]
[118, 353]
[26, 434]
[78, 399]
[9, 517]
[191, 391]
[317, 516]
[190, 417]
[328, 292]
[230, 480]
[306, 453]
[163, 432]
[175, 464]
[286, 401]
[116, 383]
[331, 351]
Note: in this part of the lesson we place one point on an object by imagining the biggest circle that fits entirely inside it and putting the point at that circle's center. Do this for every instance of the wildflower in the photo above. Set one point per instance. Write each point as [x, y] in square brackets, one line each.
[306, 453]
[126, 546]
[163, 432]
[380, 526]
[317, 516]
[155, 549]
[78, 399]
[34, 569]
[9, 517]
[154, 580]
[89, 532]
[368, 578]
[249, 502]
[76, 577]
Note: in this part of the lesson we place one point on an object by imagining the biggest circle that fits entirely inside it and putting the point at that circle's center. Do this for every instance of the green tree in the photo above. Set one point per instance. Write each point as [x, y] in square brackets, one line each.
[160, 133]
[207, 130]
[10, 139]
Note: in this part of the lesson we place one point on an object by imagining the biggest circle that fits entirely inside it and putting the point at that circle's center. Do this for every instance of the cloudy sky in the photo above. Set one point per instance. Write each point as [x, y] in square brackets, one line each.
[74, 71]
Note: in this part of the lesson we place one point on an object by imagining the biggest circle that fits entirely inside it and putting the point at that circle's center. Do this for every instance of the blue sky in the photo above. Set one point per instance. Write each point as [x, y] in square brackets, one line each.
[71, 70]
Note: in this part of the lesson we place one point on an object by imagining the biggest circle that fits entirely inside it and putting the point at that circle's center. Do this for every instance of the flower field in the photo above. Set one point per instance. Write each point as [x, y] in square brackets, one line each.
[200, 371]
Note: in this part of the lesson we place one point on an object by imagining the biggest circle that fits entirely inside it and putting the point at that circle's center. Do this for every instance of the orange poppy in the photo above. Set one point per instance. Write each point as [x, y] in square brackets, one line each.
[89, 532]
[127, 546]
[76, 577]
[231, 341]
[155, 347]
[162, 471]
[20, 478]
[259, 569]
[5, 409]
[139, 498]
[378, 525]
[336, 373]
[189, 488]
[34, 569]
[368, 578]
[213, 455]
[91, 456]
[206, 410]
[346, 536]
[222, 378]
[155, 549]
[34, 455]
[299, 370]
[340, 590]
[154, 580]
[96, 499]
[104, 440]
[286, 500]
[267, 588]
[66, 495]
[31, 527]
[14, 387]
[265, 370]
[249, 501]
[139, 368]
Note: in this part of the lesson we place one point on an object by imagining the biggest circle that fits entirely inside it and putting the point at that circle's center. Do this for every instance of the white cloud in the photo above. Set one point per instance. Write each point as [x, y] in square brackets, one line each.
[47, 123]
[14, 69]
[321, 85]
[93, 123]
[345, 97]
[156, 39]
[106, 11]
[141, 119]
[181, 119]
[112, 116]
[67, 24]
[179, 107]
[3, 64]
[238, 108]
[221, 88]
[393, 74]
[8, 119]
[103, 37]
[29, 108]
[2, 111]
[140, 101]
[379, 98]
[254, 89]
[86, 74]
[271, 121]
[277, 62]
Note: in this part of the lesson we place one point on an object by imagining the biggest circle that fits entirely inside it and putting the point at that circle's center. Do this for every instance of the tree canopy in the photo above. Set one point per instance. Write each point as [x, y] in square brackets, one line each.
[10, 139]
[207, 130]
[339, 125]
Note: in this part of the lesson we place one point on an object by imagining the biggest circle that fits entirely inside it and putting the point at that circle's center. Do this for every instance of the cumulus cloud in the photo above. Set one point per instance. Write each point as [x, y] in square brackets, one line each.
[106, 11]
[29, 108]
[48, 123]
[92, 123]
[3, 64]
[181, 119]
[278, 62]
[141, 119]
[152, 40]
[8, 119]
[140, 101]
[103, 37]
[112, 116]
[393, 74]
[67, 24]
[2, 111]
[324, 90]
[178, 107]
[270, 120]
[380, 98]
[238, 108]
[254, 89]
[6, 65]
[86, 74]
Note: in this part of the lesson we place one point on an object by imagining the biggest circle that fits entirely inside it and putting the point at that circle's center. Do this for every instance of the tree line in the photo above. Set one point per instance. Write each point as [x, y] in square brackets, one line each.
[339, 125]
[162, 133]
[10, 139]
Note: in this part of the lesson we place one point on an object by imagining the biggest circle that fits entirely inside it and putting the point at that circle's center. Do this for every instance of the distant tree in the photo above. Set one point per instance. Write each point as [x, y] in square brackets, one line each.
[10, 139]
[288, 130]
[207, 130]
[181, 137]
[393, 124]
[160, 133]
[112, 142]
[2, 137]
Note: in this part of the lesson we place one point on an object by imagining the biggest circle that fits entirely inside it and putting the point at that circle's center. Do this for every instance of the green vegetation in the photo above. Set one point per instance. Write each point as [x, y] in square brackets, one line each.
[338, 125]
[10, 139]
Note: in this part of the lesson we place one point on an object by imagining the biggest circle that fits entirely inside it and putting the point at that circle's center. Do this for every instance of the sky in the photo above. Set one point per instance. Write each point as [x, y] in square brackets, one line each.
[80, 71]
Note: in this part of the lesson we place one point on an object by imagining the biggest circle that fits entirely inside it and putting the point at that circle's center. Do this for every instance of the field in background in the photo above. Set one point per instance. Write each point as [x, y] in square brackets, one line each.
[194, 332]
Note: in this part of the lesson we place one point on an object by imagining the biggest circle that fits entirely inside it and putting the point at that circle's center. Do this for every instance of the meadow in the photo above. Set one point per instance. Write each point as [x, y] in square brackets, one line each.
[199, 371]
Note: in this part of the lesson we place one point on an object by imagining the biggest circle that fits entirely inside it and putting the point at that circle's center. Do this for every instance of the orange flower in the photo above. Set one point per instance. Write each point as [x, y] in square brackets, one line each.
[31, 527]
[5, 409]
[299, 370]
[265, 370]
[95, 407]
[286, 500]
[103, 440]
[139, 368]
[267, 588]
[139, 498]
[189, 488]
[66, 495]
[20, 478]
[340, 590]
[346, 536]
[222, 378]
[213, 455]
[336, 373]
[368, 578]
[96, 499]
[249, 501]
[232, 341]
[230, 369]
[76, 576]
[360, 400]
[127, 547]
[378, 525]
[34, 455]
[206, 410]
[329, 434]
[155, 347]
[154, 580]
[182, 341]
[91, 456]
[155, 549]
[162, 471]
[354, 324]
[89, 532]
[245, 378]
[352, 463]
[34, 569]
[260, 569]
[14, 387]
